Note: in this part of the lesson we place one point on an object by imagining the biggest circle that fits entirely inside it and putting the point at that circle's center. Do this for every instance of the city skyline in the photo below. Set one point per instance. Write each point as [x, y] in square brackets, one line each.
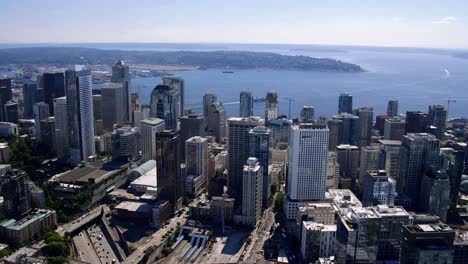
[365, 23]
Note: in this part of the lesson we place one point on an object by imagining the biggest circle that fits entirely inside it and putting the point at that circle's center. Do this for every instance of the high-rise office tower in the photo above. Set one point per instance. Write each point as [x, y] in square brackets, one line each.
[177, 84]
[260, 149]
[438, 116]
[126, 143]
[380, 123]
[417, 122]
[149, 129]
[197, 157]
[61, 127]
[246, 104]
[348, 158]
[279, 131]
[164, 105]
[394, 128]
[190, 126]
[252, 188]
[238, 151]
[121, 74]
[208, 99]
[434, 197]
[357, 236]
[390, 157]
[378, 188]
[112, 102]
[427, 243]
[11, 112]
[392, 108]
[364, 132]
[41, 111]
[79, 96]
[15, 192]
[336, 133]
[48, 131]
[392, 219]
[97, 106]
[345, 104]
[170, 182]
[419, 152]
[5, 95]
[271, 106]
[350, 128]
[29, 99]
[54, 87]
[308, 156]
[369, 161]
[216, 122]
[135, 106]
[452, 160]
[333, 171]
[307, 113]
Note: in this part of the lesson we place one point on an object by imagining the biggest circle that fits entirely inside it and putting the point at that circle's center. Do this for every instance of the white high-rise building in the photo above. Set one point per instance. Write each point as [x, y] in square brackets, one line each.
[308, 157]
[149, 127]
[252, 187]
[61, 126]
[196, 149]
[79, 87]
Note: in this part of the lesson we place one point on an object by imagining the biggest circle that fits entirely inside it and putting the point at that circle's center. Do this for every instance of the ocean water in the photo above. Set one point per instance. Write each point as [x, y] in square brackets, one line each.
[416, 77]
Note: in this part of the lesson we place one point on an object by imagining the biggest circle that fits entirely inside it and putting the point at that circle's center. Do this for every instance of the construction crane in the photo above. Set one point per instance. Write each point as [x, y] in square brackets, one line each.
[290, 100]
[449, 101]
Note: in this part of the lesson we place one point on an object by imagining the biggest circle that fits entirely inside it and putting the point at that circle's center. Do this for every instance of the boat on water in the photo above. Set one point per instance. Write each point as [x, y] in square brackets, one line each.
[259, 99]
[227, 72]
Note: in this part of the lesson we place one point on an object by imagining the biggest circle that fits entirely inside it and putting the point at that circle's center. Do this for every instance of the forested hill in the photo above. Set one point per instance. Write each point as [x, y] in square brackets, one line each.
[204, 60]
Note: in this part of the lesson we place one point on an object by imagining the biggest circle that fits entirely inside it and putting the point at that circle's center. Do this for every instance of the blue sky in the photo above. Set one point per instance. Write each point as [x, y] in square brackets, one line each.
[441, 23]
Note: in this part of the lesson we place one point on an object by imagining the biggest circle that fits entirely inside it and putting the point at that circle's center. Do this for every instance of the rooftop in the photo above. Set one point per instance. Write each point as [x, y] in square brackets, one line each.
[148, 179]
[135, 207]
[314, 226]
[93, 172]
[26, 221]
[429, 228]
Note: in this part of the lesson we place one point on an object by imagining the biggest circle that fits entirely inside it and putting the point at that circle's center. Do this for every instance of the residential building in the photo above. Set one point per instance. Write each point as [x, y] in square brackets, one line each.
[15, 192]
[149, 128]
[271, 106]
[252, 187]
[197, 157]
[260, 149]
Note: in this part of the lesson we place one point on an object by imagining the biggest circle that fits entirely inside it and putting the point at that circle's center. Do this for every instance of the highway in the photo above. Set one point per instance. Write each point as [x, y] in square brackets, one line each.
[254, 252]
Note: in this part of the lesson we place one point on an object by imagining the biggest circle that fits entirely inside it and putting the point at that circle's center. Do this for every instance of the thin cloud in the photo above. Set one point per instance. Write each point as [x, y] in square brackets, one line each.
[399, 19]
[445, 21]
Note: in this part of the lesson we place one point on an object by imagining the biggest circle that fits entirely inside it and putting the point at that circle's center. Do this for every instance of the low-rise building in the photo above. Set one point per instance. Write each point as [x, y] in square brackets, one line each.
[317, 241]
[29, 228]
[162, 212]
[7, 129]
[222, 208]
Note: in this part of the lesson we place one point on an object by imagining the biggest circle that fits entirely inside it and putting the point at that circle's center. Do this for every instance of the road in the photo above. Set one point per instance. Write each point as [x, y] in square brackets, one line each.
[253, 253]
[79, 221]
[155, 239]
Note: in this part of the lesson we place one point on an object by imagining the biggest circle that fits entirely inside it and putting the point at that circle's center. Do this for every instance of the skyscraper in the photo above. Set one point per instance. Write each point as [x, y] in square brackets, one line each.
[164, 105]
[208, 99]
[48, 131]
[190, 126]
[336, 133]
[29, 99]
[177, 84]
[61, 127]
[392, 108]
[418, 152]
[15, 192]
[271, 106]
[394, 128]
[252, 186]
[434, 197]
[246, 104]
[308, 156]
[378, 188]
[417, 122]
[121, 74]
[126, 143]
[390, 157]
[149, 129]
[197, 157]
[111, 104]
[350, 128]
[357, 236]
[5, 95]
[452, 160]
[41, 111]
[54, 86]
[216, 123]
[380, 123]
[348, 158]
[170, 182]
[345, 104]
[364, 133]
[80, 114]
[11, 112]
[260, 149]
[238, 151]
[279, 131]
[369, 161]
[307, 113]
[438, 116]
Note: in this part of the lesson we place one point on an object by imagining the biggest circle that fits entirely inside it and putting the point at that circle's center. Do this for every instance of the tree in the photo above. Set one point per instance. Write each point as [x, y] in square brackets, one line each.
[57, 260]
[279, 199]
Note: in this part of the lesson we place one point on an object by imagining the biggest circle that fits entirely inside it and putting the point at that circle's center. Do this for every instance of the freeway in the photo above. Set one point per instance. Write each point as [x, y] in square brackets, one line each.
[254, 252]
